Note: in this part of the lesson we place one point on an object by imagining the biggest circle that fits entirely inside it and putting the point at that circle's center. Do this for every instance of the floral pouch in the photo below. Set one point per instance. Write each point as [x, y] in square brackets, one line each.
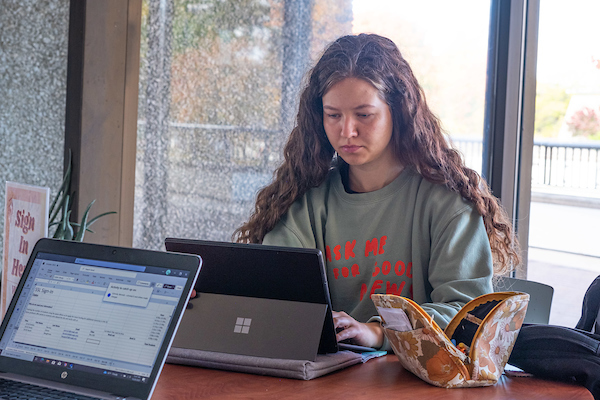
[472, 350]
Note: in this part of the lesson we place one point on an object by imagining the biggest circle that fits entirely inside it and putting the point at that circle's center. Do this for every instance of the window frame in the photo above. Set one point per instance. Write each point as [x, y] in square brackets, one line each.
[510, 110]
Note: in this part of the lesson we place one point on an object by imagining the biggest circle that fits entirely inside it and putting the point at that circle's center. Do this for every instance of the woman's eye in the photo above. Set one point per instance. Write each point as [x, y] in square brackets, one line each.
[333, 115]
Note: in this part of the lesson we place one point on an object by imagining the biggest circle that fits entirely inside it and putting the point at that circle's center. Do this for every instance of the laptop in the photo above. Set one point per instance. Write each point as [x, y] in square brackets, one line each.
[258, 300]
[93, 320]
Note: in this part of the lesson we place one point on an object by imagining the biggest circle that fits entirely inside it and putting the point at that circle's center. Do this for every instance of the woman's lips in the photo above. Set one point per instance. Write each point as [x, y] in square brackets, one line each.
[350, 149]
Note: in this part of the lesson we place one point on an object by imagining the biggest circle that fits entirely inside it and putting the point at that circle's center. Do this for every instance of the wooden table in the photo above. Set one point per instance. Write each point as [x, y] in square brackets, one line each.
[382, 378]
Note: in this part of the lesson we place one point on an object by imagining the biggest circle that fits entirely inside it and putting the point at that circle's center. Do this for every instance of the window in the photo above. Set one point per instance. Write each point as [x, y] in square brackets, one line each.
[219, 82]
[565, 199]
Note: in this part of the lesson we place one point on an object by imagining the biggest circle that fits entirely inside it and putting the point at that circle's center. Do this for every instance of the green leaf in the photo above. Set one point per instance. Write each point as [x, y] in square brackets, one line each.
[64, 189]
[64, 229]
[69, 232]
[59, 232]
[98, 216]
[66, 214]
[83, 224]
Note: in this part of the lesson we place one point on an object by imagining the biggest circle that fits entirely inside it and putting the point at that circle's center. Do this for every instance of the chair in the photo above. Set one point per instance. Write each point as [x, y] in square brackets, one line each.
[540, 297]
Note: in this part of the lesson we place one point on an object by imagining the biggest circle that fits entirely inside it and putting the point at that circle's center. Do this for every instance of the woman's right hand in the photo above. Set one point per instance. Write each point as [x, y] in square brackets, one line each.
[364, 334]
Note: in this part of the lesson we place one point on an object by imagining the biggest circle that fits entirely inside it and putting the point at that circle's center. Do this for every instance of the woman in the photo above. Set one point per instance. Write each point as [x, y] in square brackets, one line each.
[369, 179]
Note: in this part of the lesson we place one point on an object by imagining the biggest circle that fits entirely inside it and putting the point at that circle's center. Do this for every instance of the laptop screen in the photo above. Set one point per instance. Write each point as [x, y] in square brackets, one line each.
[260, 271]
[101, 317]
[105, 320]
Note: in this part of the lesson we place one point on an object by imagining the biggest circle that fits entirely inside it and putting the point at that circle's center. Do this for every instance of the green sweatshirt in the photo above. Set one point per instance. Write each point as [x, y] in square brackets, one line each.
[411, 238]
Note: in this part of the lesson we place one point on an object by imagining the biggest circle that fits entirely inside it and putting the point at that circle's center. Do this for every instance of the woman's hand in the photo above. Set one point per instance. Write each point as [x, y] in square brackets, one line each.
[363, 334]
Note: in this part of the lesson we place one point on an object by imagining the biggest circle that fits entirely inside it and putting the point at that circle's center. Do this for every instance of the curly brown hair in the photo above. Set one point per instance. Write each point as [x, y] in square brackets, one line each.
[417, 139]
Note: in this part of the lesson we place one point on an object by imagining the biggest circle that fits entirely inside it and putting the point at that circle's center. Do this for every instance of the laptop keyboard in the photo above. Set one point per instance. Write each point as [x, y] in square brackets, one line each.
[10, 390]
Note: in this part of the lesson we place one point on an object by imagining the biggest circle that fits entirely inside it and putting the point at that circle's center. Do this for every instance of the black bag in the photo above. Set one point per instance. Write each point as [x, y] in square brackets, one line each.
[558, 352]
[561, 353]
[591, 307]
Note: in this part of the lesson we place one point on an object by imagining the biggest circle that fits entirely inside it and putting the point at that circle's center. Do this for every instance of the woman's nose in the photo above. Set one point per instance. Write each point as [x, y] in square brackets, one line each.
[349, 128]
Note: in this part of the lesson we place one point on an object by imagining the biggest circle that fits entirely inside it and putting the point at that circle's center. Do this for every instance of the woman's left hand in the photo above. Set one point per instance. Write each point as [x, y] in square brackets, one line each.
[363, 334]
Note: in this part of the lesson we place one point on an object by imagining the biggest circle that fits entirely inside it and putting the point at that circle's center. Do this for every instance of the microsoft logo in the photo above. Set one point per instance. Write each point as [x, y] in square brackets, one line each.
[242, 325]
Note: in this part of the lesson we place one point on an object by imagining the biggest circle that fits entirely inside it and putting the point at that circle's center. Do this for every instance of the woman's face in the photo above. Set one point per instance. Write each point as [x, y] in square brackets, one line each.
[358, 124]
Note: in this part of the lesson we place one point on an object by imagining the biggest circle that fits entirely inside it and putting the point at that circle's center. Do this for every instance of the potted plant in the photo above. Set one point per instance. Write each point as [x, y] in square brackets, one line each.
[60, 213]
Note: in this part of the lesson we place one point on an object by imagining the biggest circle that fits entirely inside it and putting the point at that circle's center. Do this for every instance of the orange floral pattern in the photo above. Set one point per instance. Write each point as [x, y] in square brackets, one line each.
[441, 368]
[427, 351]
